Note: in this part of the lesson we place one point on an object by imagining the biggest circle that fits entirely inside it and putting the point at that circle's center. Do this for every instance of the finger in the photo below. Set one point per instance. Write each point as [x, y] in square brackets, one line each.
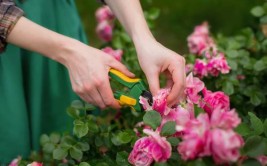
[120, 67]
[178, 77]
[107, 95]
[96, 97]
[153, 81]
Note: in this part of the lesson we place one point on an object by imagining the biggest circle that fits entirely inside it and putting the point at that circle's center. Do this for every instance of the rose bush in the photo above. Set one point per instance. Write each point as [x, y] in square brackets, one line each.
[217, 124]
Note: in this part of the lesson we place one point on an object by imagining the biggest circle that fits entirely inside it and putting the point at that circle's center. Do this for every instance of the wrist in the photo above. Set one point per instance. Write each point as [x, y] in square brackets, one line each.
[63, 49]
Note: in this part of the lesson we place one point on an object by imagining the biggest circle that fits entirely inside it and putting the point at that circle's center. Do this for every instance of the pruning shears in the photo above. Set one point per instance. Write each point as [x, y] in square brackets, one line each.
[136, 89]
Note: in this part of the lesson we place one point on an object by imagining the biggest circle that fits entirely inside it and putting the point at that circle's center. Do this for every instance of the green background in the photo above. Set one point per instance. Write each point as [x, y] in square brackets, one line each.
[178, 18]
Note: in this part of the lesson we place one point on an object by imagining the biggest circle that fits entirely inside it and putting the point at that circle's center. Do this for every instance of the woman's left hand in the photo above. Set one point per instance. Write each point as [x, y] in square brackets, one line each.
[155, 59]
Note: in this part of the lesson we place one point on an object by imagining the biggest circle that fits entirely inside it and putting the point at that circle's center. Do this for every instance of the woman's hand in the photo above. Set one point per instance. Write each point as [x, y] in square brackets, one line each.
[155, 59]
[88, 68]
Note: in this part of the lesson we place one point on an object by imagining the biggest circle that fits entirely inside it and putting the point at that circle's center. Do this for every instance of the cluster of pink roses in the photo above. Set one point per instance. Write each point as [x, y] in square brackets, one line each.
[208, 134]
[105, 19]
[201, 44]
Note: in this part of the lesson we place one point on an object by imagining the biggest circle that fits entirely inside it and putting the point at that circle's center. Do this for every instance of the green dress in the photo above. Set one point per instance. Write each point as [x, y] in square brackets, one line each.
[35, 91]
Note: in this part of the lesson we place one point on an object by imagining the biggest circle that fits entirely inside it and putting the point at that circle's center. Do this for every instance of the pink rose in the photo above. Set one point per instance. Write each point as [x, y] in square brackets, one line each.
[104, 30]
[195, 139]
[189, 68]
[104, 13]
[225, 145]
[148, 149]
[200, 41]
[35, 164]
[262, 160]
[117, 54]
[218, 64]
[193, 86]
[224, 119]
[180, 116]
[160, 102]
[15, 162]
[200, 68]
[212, 100]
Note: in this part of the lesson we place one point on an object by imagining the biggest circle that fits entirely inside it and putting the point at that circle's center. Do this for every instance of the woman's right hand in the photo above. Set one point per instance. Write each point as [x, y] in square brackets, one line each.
[88, 69]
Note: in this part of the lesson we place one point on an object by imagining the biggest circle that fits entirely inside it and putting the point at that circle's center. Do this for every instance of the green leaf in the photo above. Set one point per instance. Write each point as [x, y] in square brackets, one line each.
[228, 88]
[98, 141]
[255, 99]
[243, 129]
[92, 127]
[265, 127]
[75, 153]
[152, 119]
[255, 146]
[173, 141]
[80, 128]
[84, 146]
[168, 128]
[153, 13]
[67, 142]
[73, 112]
[251, 162]
[161, 164]
[77, 104]
[60, 153]
[256, 124]
[257, 11]
[44, 139]
[124, 137]
[102, 164]
[263, 20]
[84, 164]
[115, 140]
[48, 147]
[122, 158]
[260, 65]
[55, 138]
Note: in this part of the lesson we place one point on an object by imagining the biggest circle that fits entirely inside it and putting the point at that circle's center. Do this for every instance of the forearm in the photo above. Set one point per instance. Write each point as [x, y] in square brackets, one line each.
[130, 14]
[31, 36]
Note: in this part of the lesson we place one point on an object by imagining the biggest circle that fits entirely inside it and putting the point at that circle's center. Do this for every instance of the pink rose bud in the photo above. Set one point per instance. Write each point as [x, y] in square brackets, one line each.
[117, 54]
[103, 14]
[104, 30]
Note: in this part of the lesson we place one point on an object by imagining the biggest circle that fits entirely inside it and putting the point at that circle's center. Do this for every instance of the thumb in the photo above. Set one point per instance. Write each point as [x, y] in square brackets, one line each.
[120, 67]
[153, 81]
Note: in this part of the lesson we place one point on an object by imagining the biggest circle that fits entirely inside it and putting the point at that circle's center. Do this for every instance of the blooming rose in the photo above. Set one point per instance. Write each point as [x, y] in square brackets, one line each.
[35, 164]
[104, 13]
[200, 68]
[104, 30]
[212, 100]
[218, 64]
[15, 162]
[262, 160]
[224, 119]
[199, 40]
[117, 54]
[148, 149]
[225, 145]
[195, 139]
[160, 102]
[193, 86]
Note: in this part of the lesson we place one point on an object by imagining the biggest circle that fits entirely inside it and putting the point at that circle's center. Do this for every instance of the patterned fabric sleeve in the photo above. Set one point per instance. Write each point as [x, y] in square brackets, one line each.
[9, 15]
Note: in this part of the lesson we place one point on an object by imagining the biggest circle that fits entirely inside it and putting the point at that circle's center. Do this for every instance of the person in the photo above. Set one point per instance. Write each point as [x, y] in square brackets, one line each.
[34, 91]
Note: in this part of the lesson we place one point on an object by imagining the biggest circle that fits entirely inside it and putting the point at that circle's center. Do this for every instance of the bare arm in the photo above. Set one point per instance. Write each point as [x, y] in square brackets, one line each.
[153, 57]
[88, 67]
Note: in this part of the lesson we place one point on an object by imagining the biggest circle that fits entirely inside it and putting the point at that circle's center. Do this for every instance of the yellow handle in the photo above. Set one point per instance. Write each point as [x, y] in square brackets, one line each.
[123, 77]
